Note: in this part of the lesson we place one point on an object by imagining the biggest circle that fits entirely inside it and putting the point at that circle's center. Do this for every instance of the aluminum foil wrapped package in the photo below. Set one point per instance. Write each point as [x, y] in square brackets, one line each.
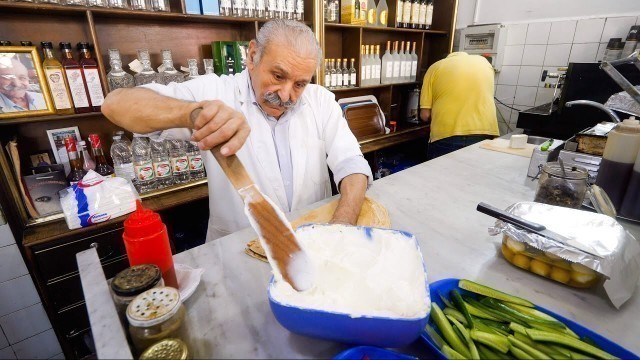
[619, 252]
[623, 102]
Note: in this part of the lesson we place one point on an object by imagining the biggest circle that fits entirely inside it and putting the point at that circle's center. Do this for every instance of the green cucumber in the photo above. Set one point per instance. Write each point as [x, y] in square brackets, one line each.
[445, 300]
[518, 329]
[490, 292]
[452, 354]
[504, 327]
[568, 341]
[501, 316]
[575, 355]
[437, 339]
[532, 312]
[555, 354]
[475, 355]
[463, 331]
[488, 353]
[520, 354]
[495, 341]
[535, 353]
[480, 313]
[565, 331]
[498, 306]
[456, 314]
[460, 305]
[486, 328]
[447, 331]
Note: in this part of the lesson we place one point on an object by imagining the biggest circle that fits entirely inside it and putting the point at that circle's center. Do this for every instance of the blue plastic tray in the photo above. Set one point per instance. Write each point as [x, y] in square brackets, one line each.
[373, 353]
[446, 285]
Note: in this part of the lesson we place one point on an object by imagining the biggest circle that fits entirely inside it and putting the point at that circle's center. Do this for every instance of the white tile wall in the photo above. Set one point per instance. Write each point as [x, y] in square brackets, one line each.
[601, 49]
[506, 93]
[513, 55]
[41, 346]
[617, 27]
[533, 54]
[562, 32]
[25, 323]
[557, 55]
[17, 294]
[538, 33]
[7, 353]
[529, 75]
[525, 95]
[543, 96]
[584, 52]
[589, 30]
[508, 75]
[6, 237]
[11, 263]
[516, 34]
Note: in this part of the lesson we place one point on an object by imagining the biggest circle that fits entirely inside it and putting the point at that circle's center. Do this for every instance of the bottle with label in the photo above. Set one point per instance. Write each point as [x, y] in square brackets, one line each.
[225, 8]
[147, 75]
[57, 81]
[352, 73]
[143, 166]
[161, 163]
[363, 80]
[363, 11]
[77, 172]
[231, 65]
[117, 77]
[208, 66]
[334, 74]
[422, 17]
[632, 41]
[334, 11]
[372, 13]
[407, 59]
[281, 7]
[406, 14]
[193, 68]
[179, 161]
[91, 75]
[383, 14]
[399, 14]
[415, 14]
[249, 8]
[403, 63]
[429, 19]
[339, 74]
[300, 10]
[102, 166]
[238, 7]
[616, 167]
[368, 63]
[373, 61]
[414, 63]
[327, 74]
[169, 73]
[122, 158]
[397, 63]
[77, 84]
[290, 6]
[85, 157]
[387, 65]
[378, 66]
[345, 74]
[272, 9]
[196, 164]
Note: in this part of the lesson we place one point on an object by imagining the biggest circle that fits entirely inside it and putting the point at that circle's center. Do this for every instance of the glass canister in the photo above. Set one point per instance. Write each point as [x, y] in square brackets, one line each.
[560, 187]
[155, 315]
[131, 282]
[174, 349]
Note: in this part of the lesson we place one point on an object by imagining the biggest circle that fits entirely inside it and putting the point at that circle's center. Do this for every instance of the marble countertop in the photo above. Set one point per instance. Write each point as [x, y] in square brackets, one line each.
[229, 315]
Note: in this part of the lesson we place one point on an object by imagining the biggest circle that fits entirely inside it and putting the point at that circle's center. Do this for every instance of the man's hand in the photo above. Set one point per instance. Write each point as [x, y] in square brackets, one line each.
[218, 124]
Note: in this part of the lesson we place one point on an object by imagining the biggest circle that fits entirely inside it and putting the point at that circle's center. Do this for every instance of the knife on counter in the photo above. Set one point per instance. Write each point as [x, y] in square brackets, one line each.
[534, 228]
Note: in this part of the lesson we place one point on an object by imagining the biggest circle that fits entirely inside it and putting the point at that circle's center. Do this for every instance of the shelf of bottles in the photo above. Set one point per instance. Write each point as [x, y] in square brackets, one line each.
[263, 9]
[414, 14]
[144, 5]
[410, 14]
[395, 67]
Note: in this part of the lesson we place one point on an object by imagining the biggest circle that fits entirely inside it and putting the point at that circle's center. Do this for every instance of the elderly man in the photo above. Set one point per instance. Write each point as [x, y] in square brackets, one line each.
[285, 130]
[14, 83]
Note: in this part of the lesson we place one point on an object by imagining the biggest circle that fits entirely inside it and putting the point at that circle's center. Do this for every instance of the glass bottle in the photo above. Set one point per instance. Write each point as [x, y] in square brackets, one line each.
[366, 60]
[169, 74]
[208, 66]
[345, 74]
[372, 13]
[363, 79]
[77, 172]
[5, 43]
[87, 161]
[299, 10]
[334, 74]
[57, 81]
[414, 63]
[117, 77]
[397, 62]
[415, 14]
[383, 14]
[102, 166]
[405, 64]
[196, 165]
[74, 2]
[272, 9]
[97, 3]
[225, 8]
[281, 8]
[352, 73]
[327, 73]
[193, 68]
[334, 11]
[406, 14]
[147, 75]
[139, 5]
[249, 8]
[399, 13]
[377, 66]
[161, 163]
[422, 16]
[387, 65]
[429, 17]
[238, 8]
[160, 5]
[91, 76]
[122, 158]
[261, 9]
[179, 161]
[77, 84]
[339, 74]
[119, 4]
[143, 166]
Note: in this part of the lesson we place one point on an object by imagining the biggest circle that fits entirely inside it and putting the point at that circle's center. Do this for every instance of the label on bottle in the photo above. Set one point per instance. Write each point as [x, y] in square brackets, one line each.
[327, 79]
[95, 86]
[125, 171]
[144, 171]
[414, 68]
[334, 80]
[76, 86]
[415, 13]
[57, 87]
[408, 68]
[429, 19]
[372, 17]
[389, 70]
[383, 17]
[281, 5]
[162, 169]
[339, 79]
[345, 80]
[179, 164]
[367, 72]
[396, 70]
[363, 10]
[376, 72]
[403, 68]
[353, 79]
[399, 9]
[406, 13]
[362, 71]
[422, 17]
[195, 163]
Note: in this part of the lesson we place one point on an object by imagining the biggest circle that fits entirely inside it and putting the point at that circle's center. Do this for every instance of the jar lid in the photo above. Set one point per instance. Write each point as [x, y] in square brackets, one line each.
[136, 279]
[153, 306]
[170, 348]
[601, 201]
[571, 172]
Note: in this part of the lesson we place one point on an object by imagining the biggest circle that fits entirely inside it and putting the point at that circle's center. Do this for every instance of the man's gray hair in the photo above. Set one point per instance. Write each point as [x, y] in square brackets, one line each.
[290, 33]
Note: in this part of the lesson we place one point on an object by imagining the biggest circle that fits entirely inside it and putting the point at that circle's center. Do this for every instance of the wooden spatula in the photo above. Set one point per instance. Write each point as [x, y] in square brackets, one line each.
[274, 231]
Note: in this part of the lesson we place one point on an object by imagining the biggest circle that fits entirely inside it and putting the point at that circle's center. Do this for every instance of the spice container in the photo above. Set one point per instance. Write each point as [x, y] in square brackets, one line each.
[548, 265]
[172, 348]
[562, 188]
[131, 282]
[155, 315]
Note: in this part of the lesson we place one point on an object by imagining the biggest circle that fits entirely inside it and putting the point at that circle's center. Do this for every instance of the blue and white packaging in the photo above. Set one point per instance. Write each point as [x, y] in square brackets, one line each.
[96, 199]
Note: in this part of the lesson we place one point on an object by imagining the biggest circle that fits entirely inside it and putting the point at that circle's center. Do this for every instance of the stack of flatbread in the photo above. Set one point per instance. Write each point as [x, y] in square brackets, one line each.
[372, 214]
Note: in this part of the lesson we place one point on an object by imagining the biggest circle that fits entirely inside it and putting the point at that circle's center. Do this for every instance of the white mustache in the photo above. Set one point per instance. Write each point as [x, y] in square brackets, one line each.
[13, 87]
[274, 99]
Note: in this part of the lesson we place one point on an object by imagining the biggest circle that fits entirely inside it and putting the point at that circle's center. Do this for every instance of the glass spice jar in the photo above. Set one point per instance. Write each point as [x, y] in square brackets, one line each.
[562, 188]
[155, 315]
[131, 282]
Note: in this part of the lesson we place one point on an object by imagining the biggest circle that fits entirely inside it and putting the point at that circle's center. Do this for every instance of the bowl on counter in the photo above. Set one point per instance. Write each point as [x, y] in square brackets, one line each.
[380, 331]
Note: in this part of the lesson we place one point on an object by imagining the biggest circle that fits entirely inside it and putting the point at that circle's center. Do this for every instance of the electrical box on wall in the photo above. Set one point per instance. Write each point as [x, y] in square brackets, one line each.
[486, 40]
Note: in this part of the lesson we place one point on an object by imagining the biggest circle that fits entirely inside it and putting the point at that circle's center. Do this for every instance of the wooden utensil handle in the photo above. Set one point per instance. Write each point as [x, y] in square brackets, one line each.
[231, 165]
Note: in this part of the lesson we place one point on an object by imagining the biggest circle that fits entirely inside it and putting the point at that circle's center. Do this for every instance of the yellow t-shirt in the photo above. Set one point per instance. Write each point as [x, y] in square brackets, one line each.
[459, 92]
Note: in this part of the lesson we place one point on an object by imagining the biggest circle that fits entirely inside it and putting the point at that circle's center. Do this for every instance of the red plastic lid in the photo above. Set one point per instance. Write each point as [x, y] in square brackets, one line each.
[95, 141]
[70, 144]
[142, 223]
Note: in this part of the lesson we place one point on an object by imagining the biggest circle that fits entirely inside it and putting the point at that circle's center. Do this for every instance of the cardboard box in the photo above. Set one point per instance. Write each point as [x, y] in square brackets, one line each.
[43, 188]
[210, 7]
[350, 15]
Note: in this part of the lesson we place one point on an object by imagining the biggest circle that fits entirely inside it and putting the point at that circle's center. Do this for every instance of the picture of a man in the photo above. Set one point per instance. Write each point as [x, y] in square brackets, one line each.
[14, 88]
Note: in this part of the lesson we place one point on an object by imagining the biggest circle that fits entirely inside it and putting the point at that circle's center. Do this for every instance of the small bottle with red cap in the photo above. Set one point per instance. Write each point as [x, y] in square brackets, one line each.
[102, 166]
[147, 242]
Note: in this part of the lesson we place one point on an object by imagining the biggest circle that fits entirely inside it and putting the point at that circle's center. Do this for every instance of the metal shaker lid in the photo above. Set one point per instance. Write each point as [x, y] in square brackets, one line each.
[171, 348]
[153, 307]
[136, 279]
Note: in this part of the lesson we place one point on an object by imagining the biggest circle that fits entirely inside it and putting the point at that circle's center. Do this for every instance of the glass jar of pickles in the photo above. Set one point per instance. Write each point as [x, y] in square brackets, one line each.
[548, 265]
[154, 315]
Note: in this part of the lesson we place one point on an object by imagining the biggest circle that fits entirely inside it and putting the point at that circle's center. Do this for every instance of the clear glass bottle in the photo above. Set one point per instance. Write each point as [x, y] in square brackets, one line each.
[196, 165]
[72, 2]
[387, 65]
[140, 5]
[377, 65]
[290, 9]
[339, 74]
[352, 73]
[97, 3]
[143, 166]
[383, 14]
[161, 163]
[91, 75]
[119, 4]
[429, 18]
[179, 161]
[299, 10]
[334, 74]
[75, 76]
[87, 161]
[366, 61]
[399, 9]
[345, 74]
[249, 8]
[169, 74]
[193, 68]
[147, 75]
[261, 9]
[122, 158]
[57, 81]
[160, 5]
[208, 66]
[397, 62]
[238, 8]
[363, 79]
[422, 17]
[226, 8]
[327, 73]
[406, 62]
[372, 13]
[406, 14]
[414, 63]
[117, 77]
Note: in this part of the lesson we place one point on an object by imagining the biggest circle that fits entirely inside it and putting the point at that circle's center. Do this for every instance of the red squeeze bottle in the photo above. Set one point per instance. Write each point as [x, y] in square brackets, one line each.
[147, 242]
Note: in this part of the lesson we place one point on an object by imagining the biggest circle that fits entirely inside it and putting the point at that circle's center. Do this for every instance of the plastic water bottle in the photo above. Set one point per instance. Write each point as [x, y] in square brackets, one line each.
[179, 161]
[161, 163]
[196, 165]
[143, 166]
[122, 159]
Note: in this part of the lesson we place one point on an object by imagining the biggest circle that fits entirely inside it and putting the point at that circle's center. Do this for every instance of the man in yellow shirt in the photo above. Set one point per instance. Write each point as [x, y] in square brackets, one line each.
[457, 96]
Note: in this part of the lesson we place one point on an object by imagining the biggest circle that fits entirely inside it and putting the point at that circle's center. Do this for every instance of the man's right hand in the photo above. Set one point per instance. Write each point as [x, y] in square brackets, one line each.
[218, 124]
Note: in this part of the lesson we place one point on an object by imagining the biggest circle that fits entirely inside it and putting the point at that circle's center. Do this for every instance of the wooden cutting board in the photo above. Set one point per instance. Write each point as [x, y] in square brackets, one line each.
[502, 145]
[372, 214]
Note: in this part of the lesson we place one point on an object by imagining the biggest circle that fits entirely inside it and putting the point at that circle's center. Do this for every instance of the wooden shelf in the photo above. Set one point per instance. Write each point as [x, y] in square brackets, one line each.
[389, 29]
[377, 142]
[49, 118]
[374, 86]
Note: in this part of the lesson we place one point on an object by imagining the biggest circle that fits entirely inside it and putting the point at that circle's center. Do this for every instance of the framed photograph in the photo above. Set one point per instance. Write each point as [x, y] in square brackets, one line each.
[41, 159]
[23, 89]
[56, 139]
